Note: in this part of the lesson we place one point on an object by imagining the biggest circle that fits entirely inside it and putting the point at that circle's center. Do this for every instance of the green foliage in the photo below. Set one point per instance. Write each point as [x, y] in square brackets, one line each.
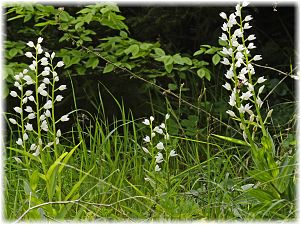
[100, 171]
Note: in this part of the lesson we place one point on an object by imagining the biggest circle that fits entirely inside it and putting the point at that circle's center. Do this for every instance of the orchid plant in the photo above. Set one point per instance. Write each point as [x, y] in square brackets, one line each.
[158, 151]
[38, 92]
[245, 90]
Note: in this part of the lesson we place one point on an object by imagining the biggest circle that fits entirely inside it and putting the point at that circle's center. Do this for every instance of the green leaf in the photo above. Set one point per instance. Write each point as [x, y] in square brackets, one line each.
[159, 52]
[78, 25]
[199, 52]
[74, 60]
[29, 155]
[261, 195]
[204, 72]
[92, 62]
[168, 60]
[64, 16]
[168, 67]
[178, 59]
[268, 144]
[88, 18]
[187, 61]
[34, 180]
[77, 185]
[211, 51]
[233, 140]
[172, 87]
[260, 175]
[222, 43]
[66, 159]
[215, 59]
[123, 34]
[286, 173]
[13, 52]
[51, 176]
[49, 22]
[134, 49]
[108, 68]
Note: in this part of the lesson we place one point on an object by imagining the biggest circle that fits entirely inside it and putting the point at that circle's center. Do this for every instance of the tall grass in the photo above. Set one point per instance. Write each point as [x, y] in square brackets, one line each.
[106, 176]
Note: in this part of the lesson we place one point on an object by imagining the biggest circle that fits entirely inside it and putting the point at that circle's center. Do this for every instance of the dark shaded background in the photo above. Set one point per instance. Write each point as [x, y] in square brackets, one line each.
[182, 29]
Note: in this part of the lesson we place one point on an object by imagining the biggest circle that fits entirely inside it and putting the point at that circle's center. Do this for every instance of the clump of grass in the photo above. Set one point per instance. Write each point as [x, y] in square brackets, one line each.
[140, 169]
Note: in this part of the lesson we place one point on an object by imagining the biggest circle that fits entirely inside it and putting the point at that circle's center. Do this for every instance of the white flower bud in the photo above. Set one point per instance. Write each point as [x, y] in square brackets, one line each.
[18, 160]
[32, 67]
[48, 105]
[40, 39]
[24, 100]
[251, 37]
[269, 113]
[39, 49]
[257, 57]
[227, 86]
[31, 116]
[28, 93]
[251, 46]
[146, 122]
[17, 77]
[13, 121]
[58, 133]
[30, 44]
[31, 98]
[33, 147]
[47, 113]
[225, 61]
[162, 125]
[18, 110]
[151, 118]
[261, 80]
[146, 139]
[167, 116]
[28, 54]
[28, 109]
[13, 94]
[28, 127]
[60, 64]
[52, 55]
[157, 168]
[17, 84]
[42, 117]
[160, 146]
[261, 89]
[25, 137]
[248, 18]
[43, 93]
[46, 80]
[19, 142]
[172, 153]
[45, 73]
[158, 130]
[159, 157]
[64, 118]
[59, 98]
[44, 61]
[145, 150]
[231, 113]
[62, 87]
[44, 125]
[223, 15]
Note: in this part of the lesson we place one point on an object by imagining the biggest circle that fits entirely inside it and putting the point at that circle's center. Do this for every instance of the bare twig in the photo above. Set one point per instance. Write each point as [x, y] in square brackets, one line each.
[164, 91]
